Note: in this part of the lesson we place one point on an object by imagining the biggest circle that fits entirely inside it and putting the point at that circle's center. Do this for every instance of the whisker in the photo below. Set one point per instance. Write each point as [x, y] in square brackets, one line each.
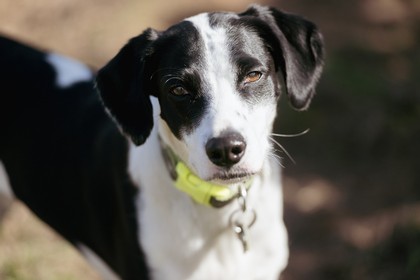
[169, 78]
[161, 69]
[283, 149]
[276, 158]
[291, 135]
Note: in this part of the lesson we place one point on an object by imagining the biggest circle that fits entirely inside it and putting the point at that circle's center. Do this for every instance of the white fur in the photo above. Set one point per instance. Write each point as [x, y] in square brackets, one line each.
[184, 240]
[68, 71]
[5, 188]
[97, 263]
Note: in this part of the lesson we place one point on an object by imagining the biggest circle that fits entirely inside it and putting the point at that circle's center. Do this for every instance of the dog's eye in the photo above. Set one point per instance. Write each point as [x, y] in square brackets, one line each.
[178, 91]
[252, 77]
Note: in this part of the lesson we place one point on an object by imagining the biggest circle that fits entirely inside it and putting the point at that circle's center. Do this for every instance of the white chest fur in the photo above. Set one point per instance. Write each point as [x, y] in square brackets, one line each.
[183, 240]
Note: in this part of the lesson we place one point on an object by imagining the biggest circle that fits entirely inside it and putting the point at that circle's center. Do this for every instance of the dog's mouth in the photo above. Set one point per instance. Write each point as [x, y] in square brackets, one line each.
[228, 178]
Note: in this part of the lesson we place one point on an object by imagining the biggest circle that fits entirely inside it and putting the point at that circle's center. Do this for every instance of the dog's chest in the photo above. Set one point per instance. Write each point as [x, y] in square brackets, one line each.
[182, 244]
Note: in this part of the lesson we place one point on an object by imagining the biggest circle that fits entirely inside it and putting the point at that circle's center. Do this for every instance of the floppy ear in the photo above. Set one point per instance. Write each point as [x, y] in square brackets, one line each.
[123, 85]
[297, 48]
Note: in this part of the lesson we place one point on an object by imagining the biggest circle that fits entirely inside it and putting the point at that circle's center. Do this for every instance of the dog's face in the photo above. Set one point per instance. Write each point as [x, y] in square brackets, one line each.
[217, 78]
[218, 90]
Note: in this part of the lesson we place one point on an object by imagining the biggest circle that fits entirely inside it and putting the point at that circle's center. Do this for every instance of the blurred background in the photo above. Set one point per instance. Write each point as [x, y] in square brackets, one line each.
[352, 200]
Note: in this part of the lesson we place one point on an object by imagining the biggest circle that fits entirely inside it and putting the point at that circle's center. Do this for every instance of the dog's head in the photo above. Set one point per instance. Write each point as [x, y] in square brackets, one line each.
[217, 77]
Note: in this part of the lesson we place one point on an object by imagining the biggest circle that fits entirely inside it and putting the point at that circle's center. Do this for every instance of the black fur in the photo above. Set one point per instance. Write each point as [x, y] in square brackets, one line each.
[66, 160]
[140, 70]
[297, 47]
[178, 62]
[124, 85]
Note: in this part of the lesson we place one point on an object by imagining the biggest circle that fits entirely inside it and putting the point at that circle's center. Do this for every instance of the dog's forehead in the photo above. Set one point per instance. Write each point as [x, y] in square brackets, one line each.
[216, 53]
[226, 37]
[214, 28]
[208, 23]
[219, 37]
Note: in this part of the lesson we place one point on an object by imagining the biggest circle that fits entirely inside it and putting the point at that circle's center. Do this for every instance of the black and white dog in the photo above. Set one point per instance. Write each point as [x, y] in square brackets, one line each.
[194, 192]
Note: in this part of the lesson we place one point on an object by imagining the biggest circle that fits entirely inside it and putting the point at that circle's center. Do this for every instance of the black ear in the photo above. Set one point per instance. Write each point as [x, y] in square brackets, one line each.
[123, 85]
[298, 50]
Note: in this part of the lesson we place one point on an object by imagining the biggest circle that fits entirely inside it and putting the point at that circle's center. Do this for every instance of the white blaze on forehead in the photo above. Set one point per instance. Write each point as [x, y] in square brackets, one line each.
[219, 72]
[215, 41]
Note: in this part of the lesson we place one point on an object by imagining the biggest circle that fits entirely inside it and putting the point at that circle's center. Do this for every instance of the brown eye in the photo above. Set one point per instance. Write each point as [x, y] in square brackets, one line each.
[252, 77]
[179, 91]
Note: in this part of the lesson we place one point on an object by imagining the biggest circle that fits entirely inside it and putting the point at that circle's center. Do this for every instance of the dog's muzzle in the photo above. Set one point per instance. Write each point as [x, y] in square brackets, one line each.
[202, 192]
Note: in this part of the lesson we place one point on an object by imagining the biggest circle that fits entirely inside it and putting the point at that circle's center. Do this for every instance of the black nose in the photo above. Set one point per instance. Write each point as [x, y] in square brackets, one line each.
[226, 150]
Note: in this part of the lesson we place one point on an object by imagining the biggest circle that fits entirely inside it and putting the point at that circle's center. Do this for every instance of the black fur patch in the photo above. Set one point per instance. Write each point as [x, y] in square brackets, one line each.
[179, 62]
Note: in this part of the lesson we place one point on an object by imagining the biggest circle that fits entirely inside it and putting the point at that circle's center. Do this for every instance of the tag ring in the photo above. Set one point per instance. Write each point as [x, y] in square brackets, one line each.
[245, 220]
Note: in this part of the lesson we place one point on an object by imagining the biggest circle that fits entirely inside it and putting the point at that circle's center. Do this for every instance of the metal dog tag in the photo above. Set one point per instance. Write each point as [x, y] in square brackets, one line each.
[241, 233]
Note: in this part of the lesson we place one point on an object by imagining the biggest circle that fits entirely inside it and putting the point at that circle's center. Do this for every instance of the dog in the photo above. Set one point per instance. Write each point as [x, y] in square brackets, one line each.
[159, 166]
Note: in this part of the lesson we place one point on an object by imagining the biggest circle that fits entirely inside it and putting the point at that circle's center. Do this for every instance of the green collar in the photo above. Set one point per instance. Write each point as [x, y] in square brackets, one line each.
[200, 191]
